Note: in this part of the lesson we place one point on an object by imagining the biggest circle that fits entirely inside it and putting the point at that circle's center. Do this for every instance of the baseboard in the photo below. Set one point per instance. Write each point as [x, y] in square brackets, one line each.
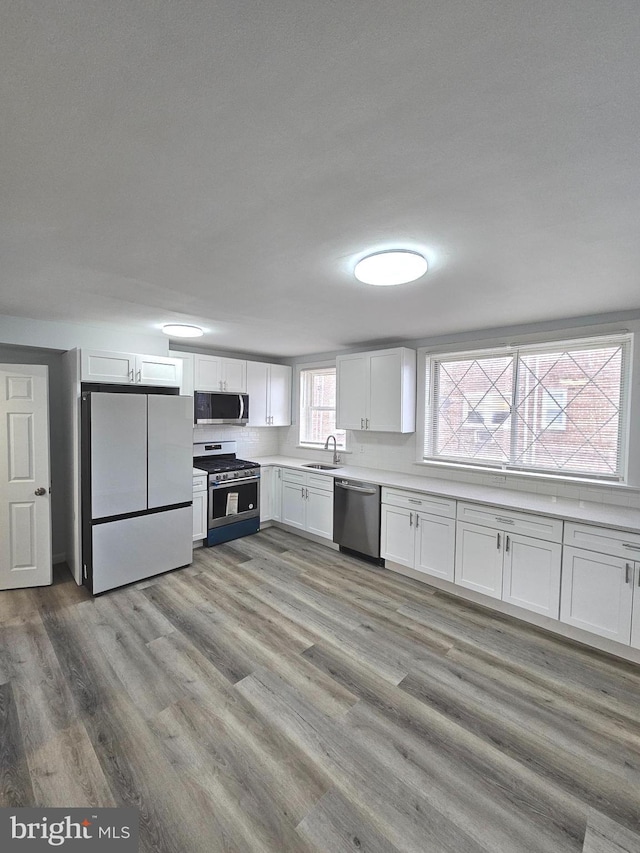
[319, 540]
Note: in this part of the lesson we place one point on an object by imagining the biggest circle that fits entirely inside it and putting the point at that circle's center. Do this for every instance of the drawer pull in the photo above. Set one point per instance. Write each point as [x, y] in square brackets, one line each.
[505, 520]
[629, 545]
[415, 501]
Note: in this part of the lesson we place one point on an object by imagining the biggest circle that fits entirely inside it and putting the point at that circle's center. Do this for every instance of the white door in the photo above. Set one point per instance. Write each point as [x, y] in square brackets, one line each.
[435, 545]
[279, 395]
[351, 372]
[385, 392]
[319, 512]
[479, 558]
[257, 379]
[207, 373]
[117, 367]
[293, 504]
[170, 450]
[25, 509]
[597, 593]
[199, 516]
[234, 375]
[118, 454]
[397, 538]
[158, 370]
[531, 576]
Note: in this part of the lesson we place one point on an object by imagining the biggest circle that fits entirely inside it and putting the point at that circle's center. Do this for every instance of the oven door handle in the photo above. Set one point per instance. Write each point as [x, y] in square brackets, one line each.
[233, 482]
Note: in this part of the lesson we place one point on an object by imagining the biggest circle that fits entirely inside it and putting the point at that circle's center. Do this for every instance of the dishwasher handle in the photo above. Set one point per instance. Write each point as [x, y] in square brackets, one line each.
[350, 488]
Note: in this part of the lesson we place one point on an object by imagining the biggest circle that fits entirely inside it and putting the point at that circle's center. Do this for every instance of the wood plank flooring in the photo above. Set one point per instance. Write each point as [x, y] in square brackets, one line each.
[278, 696]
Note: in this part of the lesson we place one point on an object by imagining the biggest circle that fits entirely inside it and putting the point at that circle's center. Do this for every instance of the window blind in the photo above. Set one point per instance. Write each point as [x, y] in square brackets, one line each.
[558, 407]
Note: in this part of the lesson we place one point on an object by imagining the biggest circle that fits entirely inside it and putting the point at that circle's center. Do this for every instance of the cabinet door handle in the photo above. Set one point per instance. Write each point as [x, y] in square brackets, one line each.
[361, 423]
[302, 492]
[410, 519]
[627, 572]
[367, 420]
[506, 543]
[306, 494]
[417, 521]
[139, 377]
[131, 379]
[498, 541]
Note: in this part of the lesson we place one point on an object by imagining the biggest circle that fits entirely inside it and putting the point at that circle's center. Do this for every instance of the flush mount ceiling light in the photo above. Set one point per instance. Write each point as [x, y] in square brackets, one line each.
[385, 269]
[179, 330]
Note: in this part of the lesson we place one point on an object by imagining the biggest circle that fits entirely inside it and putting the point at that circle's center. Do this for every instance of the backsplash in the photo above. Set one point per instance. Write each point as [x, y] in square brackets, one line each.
[251, 441]
[397, 452]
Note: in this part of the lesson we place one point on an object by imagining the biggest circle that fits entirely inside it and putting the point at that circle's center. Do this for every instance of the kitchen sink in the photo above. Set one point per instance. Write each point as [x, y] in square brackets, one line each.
[320, 466]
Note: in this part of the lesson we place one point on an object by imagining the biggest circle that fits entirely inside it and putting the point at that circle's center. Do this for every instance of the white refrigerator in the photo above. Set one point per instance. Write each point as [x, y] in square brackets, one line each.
[137, 486]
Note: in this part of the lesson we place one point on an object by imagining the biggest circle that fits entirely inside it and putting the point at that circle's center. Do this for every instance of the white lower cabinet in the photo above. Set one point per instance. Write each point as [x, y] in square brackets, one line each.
[266, 491]
[601, 582]
[415, 538]
[499, 557]
[307, 502]
[276, 494]
[200, 494]
[598, 592]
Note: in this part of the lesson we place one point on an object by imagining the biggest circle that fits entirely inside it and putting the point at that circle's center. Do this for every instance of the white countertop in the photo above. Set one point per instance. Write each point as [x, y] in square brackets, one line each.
[198, 471]
[586, 512]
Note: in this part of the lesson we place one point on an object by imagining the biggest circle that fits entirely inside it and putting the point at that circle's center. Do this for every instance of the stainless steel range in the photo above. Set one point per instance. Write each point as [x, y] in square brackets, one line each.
[234, 491]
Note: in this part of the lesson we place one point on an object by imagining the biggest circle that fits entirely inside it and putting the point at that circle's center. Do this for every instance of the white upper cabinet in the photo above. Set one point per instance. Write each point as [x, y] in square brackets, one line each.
[269, 388]
[158, 370]
[107, 366]
[212, 373]
[127, 368]
[377, 391]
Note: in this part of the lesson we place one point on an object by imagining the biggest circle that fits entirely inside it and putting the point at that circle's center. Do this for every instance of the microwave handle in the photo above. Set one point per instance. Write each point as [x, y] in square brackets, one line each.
[241, 406]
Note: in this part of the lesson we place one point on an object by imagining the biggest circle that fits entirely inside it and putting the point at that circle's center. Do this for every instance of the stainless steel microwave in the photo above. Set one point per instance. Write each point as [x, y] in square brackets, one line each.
[211, 407]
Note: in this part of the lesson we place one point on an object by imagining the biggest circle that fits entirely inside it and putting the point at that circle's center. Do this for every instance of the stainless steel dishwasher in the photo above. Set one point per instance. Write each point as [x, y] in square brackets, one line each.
[356, 517]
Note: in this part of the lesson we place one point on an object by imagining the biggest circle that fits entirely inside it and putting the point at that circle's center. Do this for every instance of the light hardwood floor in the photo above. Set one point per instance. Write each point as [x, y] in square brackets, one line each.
[278, 696]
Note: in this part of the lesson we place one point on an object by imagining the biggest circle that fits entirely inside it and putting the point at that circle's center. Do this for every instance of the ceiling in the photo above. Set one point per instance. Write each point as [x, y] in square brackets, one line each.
[226, 163]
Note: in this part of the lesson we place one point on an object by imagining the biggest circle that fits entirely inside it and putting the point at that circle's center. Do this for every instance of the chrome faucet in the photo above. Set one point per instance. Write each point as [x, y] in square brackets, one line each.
[336, 458]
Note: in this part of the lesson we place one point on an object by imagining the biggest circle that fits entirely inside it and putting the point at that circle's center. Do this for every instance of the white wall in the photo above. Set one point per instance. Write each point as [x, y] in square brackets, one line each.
[394, 452]
[22, 331]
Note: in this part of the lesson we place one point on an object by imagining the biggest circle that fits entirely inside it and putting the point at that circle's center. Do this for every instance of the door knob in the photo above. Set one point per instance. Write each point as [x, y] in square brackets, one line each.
[41, 491]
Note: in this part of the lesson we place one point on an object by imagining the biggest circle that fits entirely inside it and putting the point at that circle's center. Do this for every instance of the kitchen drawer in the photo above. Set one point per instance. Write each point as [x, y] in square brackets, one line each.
[617, 543]
[200, 483]
[320, 481]
[291, 475]
[420, 501]
[538, 526]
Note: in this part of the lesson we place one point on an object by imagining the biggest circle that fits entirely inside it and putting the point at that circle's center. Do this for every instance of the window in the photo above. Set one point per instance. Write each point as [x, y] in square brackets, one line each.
[318, 407]
[557, 408]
